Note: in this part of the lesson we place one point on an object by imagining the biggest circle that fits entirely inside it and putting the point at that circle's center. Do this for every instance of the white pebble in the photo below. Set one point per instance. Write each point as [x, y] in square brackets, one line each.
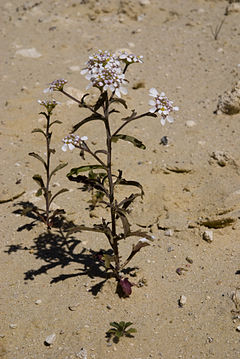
[50, 339]
[82, 354]
[182, 300]
[38, 301]
[13, 326]
[208, 236]
[238, 329]
[190, 123]
[168, 233]
[33, 53]
[144, 2]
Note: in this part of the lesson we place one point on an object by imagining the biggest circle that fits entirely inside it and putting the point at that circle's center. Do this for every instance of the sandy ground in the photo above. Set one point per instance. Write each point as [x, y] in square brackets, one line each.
[49, 286]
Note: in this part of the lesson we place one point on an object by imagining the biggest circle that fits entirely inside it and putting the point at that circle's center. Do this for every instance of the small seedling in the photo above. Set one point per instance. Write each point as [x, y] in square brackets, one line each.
[217, 30]
[120, 330]
[44, 185]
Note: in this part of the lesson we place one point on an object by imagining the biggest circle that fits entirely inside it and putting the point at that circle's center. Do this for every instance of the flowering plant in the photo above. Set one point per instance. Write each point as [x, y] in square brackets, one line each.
[106, 72]
[44, 184]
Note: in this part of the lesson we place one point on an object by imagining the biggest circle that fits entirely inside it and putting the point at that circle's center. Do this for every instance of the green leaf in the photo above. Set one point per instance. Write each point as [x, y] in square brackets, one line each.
[37, 178]
[63, 190]
[119, 100]
[131, 330]
[77, 170]
[122, 181]
[39, 130]
[108, 259]
[93, 117]
[125, 223]
[39, 192]
[100, 100]
[115, 324]
[56, 121]
[38, 157]
[59, 167]
[133, 140]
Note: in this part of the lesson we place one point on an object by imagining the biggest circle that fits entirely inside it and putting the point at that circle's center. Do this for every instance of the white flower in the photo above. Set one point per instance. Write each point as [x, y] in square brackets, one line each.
[105, 72]
[56, 85]
[71, 141]
[130, 58]
[49, 104]
[162, 105]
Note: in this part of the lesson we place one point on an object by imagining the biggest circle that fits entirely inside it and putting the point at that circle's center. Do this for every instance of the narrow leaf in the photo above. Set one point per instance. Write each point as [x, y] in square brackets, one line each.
[39, 130]
[63, 190]
[38, 157]
[133, 140]
[122, 181]
[100, 100]
[56, 121]
[39, 192]
[130, 118]
[59, 167]
[119, 100]
[39, 180]
[125, 223]
[75, 171]
[93, 117]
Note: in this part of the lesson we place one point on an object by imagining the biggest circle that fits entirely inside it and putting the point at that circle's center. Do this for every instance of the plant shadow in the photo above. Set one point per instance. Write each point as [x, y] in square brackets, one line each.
[59, 248]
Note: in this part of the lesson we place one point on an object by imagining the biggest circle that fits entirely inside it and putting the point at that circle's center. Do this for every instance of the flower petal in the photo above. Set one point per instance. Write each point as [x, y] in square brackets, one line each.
[163, 121]
[64, 147]
[153, 92]
[71, 146]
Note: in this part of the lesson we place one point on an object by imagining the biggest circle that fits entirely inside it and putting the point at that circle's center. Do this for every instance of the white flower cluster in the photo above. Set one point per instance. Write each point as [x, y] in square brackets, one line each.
[162, 105]
[130, 58]
[71, 141]
[56, 85]
[104, 70]
[49, 104]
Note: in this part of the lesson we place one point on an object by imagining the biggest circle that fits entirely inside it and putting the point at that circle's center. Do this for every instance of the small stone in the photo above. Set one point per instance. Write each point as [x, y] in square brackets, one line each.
[234, 7]
[144, 2]
[38, 301]
[190, 123]
[82, 354]
[189, 260]
[50, 339]
[13, 326]
[73, 307]
[168, 233]
[33, 53]
[238, 329]
[2, 335]
[109, 306]
[208, 236]
[182, 300]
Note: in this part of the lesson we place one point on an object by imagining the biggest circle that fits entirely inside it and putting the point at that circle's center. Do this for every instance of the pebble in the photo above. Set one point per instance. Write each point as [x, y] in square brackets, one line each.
[234, 7]
[168, 233]
[74, 307]
[208, 236]
[190, 123]
[182, 300]
[144, 2]
[13, 326]
[2, 335]
[238, 329]
[33, 53]
[82, 354]
[38, 301]
[50, 339]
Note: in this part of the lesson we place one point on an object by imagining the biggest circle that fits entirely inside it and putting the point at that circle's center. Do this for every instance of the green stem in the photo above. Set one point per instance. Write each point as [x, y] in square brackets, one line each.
[114, 243]
[48, 140]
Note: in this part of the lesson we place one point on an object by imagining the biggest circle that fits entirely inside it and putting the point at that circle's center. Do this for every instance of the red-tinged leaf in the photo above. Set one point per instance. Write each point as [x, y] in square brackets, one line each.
[126, 286]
